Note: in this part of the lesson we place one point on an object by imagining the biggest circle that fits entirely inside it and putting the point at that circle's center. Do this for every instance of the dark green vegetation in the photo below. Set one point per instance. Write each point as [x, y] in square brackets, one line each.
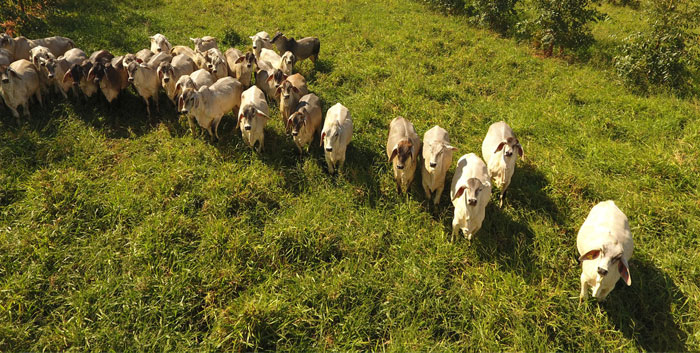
[117, 233]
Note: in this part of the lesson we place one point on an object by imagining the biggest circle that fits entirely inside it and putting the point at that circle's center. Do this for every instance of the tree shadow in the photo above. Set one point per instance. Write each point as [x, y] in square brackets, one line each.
[646, 310]
[87, 22]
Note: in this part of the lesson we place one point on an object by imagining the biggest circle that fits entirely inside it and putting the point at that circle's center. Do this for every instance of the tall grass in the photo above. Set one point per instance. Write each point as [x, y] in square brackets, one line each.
[117, 233]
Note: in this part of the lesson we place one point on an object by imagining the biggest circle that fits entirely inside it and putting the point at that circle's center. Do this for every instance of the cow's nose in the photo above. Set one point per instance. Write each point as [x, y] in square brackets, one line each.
[5, 80]
[602, 271]
[471, 202]
[433, 164]
[131, 79]
[160, 49]
[50, 75]
[295, 133]
[329, 149]
[166, 79]
[508, 154]
[399, 166]
[183, 111]
[247, 127]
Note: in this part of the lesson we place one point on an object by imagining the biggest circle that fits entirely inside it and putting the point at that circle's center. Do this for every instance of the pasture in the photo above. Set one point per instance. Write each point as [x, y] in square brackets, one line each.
[122, 233]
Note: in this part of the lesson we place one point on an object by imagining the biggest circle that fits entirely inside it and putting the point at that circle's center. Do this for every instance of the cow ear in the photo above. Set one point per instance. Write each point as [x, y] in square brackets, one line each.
[260, 114]
[520, 150]
[67, 77]
[451, 148]
[394, 152]
[278, 91]
[238, 121]
[139, 61]
[296, 90]
[323, 136]
[269, 77]
[591, 255]
[160, 74]
[459, 192]
[500, 147]
[239, 60]
[624, 269]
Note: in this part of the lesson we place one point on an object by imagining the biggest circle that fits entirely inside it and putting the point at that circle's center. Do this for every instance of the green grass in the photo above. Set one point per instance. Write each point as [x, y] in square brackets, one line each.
[120, 234]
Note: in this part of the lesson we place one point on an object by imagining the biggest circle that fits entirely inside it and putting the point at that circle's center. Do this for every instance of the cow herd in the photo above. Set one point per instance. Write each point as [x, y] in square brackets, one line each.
[205, 84]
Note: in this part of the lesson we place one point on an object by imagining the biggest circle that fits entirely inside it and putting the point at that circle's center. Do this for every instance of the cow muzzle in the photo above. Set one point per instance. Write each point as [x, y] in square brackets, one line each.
[471, 202]
[247, 127]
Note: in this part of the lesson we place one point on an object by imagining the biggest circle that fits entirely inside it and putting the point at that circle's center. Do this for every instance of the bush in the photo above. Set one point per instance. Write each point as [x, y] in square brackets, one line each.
[24, 17]
[499, 15]
[449, 6]
[661, 55]
[562, 24]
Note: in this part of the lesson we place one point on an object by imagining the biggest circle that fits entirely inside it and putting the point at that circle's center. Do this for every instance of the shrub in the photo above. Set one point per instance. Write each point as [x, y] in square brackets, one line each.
[24, 16]
[499, 15]
[661, 56]
[562, 24]
[449, 6]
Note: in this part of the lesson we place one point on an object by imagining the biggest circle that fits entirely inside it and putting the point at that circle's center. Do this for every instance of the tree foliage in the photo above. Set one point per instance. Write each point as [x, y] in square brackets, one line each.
[663, 55]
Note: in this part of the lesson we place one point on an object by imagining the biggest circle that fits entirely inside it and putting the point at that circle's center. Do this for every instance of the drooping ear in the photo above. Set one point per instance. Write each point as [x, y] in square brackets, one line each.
[500, 146]
[239, 60]
[520, 148]
[415, 151]
[624, 269]
[180, 103]
[323, 136]
[591, 255]
[459, 192]
[139, 61]
[160, 74]
[394, 152]
[36, 60]
[278, 91]
[289, 124]
[12, 72]
[269, 78]
[238, 121]
[260, 114]
[296, 90]
[67, 77]
[451, 148]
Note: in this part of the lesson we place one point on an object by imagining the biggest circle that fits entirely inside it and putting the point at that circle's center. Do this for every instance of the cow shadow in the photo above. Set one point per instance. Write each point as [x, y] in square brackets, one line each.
[528, 190]
[504, 237]
[363, 165]
[646, 312]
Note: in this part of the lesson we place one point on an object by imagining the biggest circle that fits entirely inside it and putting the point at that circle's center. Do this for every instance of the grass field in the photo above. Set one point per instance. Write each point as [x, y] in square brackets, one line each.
[117, 233]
